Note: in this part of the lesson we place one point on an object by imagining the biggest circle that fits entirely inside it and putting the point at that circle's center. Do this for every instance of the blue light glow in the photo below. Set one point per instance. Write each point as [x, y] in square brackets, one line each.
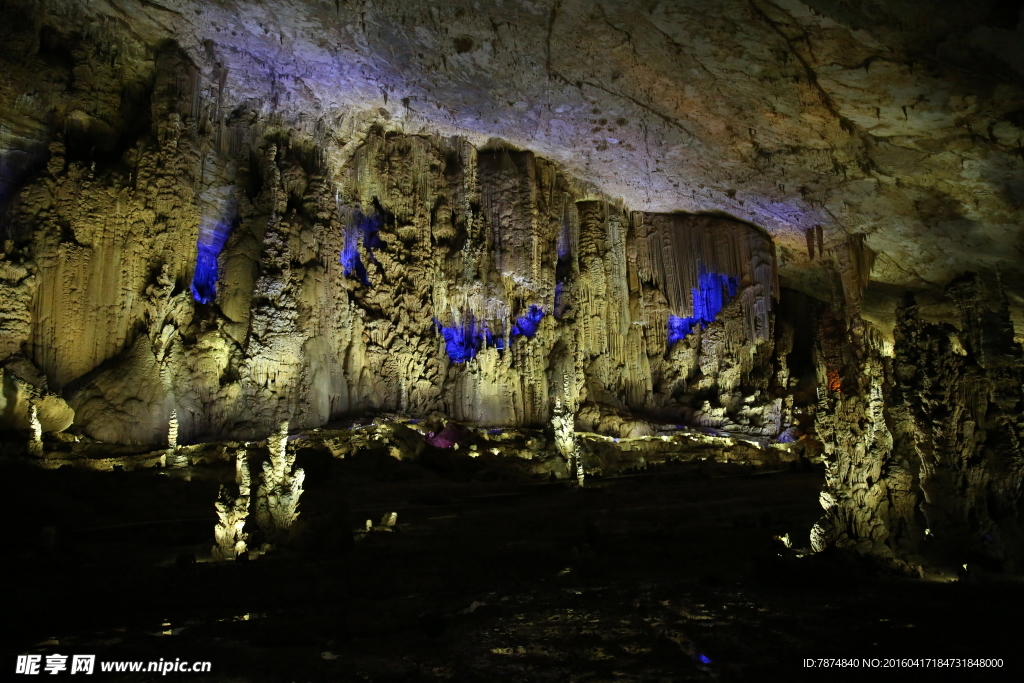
[208, 247]
[713, 291]
[563, 270]
[367, 228]
[464, 341]
[526, 325]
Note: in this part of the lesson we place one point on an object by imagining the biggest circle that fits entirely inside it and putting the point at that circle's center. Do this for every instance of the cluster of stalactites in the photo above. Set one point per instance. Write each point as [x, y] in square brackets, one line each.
[400, 171]
[676, 250]
[360, 238]
[465, 337]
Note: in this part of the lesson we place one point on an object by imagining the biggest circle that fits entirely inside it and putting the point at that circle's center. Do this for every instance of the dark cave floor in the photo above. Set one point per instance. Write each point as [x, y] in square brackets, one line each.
[669, 574]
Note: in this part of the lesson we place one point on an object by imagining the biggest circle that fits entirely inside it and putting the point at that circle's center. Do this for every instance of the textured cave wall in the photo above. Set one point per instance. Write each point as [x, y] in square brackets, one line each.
[922, 439]
[237, 273]
[899, 121]
[962, 394]
[243, 214]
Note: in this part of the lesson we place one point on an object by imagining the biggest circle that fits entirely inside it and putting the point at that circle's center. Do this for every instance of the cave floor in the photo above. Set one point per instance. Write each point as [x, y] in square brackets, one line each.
[668, 574]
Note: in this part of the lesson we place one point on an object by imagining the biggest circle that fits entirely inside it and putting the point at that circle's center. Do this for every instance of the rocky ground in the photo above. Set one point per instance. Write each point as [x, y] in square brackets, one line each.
[662, 574]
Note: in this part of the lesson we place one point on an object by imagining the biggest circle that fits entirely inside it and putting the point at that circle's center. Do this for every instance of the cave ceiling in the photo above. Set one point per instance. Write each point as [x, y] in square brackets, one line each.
[899, 120]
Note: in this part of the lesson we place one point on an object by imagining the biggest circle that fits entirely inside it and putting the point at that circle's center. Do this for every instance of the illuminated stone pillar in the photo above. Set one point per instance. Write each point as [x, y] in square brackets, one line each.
[563, 422]
[35, 443]
[232, 512]
[277, 498]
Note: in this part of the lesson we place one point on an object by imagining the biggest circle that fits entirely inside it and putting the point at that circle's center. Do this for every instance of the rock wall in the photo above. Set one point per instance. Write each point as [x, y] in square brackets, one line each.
[235, 272]
[922, 444]
[196, 243]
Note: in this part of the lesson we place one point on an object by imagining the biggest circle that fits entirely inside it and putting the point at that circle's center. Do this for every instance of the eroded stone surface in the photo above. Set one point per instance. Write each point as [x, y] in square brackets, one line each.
[216, 217]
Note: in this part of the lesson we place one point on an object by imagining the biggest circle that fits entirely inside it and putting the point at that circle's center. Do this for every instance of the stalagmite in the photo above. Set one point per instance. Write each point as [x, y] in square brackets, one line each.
[563, 423]
[232, 512]
[172, 431]
[277, 498]
[35, 442]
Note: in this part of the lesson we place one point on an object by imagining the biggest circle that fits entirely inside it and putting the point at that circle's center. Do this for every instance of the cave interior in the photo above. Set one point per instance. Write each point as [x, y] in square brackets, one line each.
[580, 340]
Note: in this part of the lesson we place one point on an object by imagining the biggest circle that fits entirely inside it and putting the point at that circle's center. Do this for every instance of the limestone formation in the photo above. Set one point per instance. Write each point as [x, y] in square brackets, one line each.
[277, 497]
[220, 220]
[419, 274]
[19, 398]
[35, 443]
[922, 448]
[564, 427]
[232, 512]
[172, 431]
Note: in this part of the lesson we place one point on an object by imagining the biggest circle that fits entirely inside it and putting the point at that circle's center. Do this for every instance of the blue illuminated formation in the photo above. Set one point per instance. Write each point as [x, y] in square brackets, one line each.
[208, 248]
[367, 228]
[712, 293]
[204, 280]
[464, 341]
[526, 325]
[461, 341]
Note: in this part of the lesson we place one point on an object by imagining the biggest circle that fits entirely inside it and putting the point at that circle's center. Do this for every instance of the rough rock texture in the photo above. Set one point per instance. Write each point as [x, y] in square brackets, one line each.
[900, 121]
[21, 400]
[241, 277]
[279, 491]
[232, 512]
[923, 448]
[218, 216]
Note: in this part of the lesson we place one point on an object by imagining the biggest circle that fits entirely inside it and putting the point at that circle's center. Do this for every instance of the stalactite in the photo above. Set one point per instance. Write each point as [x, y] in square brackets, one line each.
[856, 260]
[679, 248]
